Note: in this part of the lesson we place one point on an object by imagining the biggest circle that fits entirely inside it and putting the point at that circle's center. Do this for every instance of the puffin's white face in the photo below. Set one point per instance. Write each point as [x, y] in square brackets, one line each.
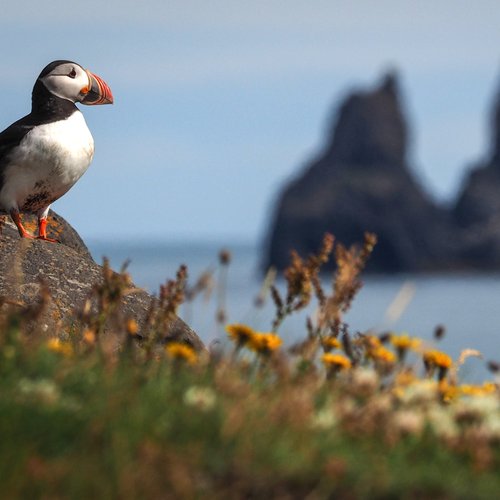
[70, 81]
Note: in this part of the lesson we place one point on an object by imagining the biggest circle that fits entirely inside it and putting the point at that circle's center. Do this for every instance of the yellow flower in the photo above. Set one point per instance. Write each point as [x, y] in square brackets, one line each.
[132, 327]
[372, 342]
[60, 347]
[404, 378]
[477, 390]
[89, 336]
[264, 343]
[330, 343]
[336, 361]
[382, 354]
[448, 391]
[404, 342]
[176, 350]
[438, 359]
[241, 334]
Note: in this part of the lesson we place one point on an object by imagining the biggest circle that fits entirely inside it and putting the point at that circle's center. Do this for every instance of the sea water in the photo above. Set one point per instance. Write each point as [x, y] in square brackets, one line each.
[467, 305]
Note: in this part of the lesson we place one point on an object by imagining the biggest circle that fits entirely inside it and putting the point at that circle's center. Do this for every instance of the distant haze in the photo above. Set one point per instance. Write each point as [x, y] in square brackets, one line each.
[217, 103]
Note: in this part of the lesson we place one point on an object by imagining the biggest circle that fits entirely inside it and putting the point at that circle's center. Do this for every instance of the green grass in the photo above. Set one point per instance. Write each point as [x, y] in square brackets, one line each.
[86, 426]
[379, 417]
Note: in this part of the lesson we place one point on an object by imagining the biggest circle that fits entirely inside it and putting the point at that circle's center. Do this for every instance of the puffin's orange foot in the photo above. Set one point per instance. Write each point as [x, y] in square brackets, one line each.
[17, 221]
[44, 238]
[42, 230]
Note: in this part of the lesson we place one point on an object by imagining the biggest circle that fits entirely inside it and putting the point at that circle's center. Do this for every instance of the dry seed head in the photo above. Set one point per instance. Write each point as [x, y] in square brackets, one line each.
[439, 332]
[224, 257]
[221, 316]
[494, 366]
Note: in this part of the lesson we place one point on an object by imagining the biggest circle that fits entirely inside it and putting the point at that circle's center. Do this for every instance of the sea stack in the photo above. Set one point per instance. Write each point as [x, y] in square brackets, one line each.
[360, 182]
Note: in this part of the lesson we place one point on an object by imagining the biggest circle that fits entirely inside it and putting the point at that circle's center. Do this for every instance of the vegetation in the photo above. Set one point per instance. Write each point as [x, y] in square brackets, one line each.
[108, 410]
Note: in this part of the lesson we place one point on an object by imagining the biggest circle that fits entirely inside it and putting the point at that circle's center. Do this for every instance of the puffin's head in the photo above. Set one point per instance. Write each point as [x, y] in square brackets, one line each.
[68, 80]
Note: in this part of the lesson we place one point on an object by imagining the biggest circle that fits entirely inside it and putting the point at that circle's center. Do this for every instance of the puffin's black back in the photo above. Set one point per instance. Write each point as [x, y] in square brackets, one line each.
[45, 108]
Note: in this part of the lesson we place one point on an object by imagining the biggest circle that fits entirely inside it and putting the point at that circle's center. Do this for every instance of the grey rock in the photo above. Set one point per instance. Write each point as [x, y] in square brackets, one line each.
[70, 274]
[477, 208]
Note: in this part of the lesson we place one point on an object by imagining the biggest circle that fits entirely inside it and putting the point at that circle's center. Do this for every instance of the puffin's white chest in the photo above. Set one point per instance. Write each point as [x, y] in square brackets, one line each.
[48, 161]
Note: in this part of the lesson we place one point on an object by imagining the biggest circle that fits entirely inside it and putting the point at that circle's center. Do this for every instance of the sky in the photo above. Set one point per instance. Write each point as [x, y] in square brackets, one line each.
[219, 103]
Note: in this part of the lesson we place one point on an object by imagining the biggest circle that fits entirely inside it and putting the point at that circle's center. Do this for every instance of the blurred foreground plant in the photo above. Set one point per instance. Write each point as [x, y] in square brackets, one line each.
[346, 414]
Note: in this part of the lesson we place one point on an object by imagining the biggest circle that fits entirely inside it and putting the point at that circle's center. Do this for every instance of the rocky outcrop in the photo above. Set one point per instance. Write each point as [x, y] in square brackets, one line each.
[69, 272]
[362, 182]
[477, 209]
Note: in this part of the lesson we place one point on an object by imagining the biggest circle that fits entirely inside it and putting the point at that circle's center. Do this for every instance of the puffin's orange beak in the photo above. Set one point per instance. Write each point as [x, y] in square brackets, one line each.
[98, 91]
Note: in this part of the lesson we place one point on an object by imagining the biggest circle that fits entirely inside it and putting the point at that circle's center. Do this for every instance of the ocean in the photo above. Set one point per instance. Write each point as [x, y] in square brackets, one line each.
[466, 305]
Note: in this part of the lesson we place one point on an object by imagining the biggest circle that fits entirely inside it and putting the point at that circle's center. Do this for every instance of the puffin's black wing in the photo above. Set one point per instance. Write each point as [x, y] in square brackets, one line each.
[13, 135]
[10, 138]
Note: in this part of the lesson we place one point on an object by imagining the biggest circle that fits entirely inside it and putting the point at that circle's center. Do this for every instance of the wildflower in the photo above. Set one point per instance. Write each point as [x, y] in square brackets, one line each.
[336, 361]
[264, 343]
[241, 334]
[403, 343]
[383, 355]
[420, 392]
[449, 392]
[408, 422]
[182, 352]
[365, 381]
[441, 421]
[475, 410]
[44, 390]
[202, 398]
[405, 378]
[372, 342]
[323, 419]
[330, 343]
[132, 327]
[60, 347]
[437, 359]
[477, 390]
[89, 336]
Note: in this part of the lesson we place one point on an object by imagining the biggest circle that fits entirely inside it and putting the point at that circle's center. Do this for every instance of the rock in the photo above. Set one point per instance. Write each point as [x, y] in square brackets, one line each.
[57, 228]
[70, 273]
[477, 208]
[362, 182]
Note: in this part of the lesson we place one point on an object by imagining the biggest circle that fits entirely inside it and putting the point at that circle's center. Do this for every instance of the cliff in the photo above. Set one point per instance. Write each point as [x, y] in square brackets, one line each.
[362, 182]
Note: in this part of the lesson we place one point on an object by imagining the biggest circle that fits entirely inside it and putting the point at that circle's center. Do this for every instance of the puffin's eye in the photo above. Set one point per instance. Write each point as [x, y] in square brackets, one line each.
[72, 74]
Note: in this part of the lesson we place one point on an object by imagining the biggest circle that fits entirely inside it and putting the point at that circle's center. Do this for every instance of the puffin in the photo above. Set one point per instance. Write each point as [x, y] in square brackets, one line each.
[45, 153]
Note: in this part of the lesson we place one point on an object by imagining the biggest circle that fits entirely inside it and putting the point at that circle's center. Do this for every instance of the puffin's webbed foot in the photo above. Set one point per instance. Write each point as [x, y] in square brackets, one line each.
[17, 221]
[42, 231]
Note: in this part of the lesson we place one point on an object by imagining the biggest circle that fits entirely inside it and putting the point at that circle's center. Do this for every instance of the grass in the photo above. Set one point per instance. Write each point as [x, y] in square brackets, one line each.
[339, 415]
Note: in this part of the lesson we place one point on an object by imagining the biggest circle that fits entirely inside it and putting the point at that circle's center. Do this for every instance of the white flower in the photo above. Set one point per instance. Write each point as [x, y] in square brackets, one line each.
[408, 422]
[476, 409]
[323, 419]
[202, 398]
[44, 390]
[442, 422]
[365, 379]
[422, 391]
